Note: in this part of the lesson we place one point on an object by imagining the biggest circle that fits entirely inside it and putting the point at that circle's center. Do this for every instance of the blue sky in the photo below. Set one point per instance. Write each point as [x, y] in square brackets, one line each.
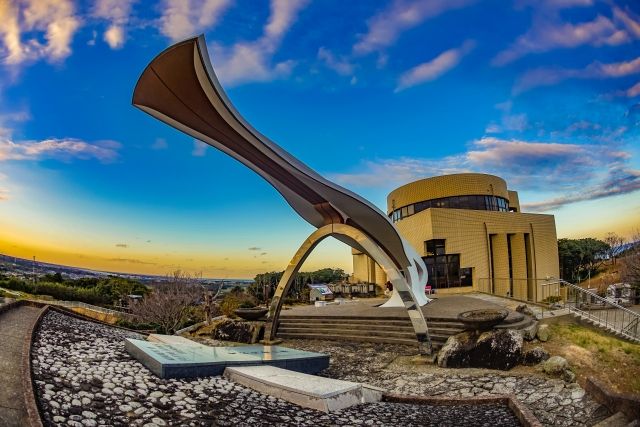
[371, 94]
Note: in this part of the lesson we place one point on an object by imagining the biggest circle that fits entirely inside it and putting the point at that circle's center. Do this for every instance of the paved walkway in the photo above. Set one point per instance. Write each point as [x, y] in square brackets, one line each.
[14, 327]
[442, 307]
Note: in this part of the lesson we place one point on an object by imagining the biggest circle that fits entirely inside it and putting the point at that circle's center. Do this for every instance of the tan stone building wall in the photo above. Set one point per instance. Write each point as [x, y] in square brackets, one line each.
[509, 253]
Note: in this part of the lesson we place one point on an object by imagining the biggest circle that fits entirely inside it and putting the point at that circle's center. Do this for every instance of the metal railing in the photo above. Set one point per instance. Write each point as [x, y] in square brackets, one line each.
[591, 306]
[78, 304]
[520, 289]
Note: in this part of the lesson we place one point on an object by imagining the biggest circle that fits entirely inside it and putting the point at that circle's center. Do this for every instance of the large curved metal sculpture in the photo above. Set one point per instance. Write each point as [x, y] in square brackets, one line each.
[180, 88]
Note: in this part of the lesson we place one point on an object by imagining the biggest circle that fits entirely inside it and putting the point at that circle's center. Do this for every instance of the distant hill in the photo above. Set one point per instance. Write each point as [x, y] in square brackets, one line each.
[26, 267]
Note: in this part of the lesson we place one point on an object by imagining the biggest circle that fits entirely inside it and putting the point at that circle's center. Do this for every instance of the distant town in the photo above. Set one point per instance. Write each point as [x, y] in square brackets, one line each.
[30, 268]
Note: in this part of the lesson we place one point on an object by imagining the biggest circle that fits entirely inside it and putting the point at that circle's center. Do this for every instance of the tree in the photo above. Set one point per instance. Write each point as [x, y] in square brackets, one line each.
[630, 271]
[615, 243]
[170, 302]
[580, 258]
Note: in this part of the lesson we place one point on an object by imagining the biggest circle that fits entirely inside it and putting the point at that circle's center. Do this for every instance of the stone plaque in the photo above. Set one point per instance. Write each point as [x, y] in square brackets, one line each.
[186, 361]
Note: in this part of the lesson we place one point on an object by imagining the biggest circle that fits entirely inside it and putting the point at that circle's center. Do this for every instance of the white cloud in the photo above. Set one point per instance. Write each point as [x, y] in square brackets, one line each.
[526, 165]
[433, 69]
[340, 65]
[117, 13]
[199, 148]
[185, 18]
[4, 193]
[401, 15]
[252, 61]
[159, 144]
[26, 22]
[596, 70]
[633, 91]
[61, 149]
[617, 182]
[547, 34]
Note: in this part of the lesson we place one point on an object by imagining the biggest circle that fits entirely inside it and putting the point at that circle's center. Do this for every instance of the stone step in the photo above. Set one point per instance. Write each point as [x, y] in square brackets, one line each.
[363, 329]
[366, 322]
[437, 341]
[364, 319]
[334, 331]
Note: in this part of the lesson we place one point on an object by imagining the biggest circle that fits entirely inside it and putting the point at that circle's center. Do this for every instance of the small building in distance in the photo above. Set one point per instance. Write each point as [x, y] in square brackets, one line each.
[472, 235]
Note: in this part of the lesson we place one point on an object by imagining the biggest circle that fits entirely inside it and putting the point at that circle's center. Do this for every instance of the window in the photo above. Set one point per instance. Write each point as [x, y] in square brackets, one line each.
[444, 270]
[483, 203]
[435, 247]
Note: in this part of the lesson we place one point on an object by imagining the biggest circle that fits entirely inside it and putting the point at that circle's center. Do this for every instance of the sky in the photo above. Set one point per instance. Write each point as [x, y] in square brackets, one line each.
[371, 94]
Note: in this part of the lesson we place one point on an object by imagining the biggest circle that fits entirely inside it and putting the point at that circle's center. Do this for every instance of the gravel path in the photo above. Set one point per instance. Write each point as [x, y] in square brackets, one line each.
[84, 377]
[553, 401]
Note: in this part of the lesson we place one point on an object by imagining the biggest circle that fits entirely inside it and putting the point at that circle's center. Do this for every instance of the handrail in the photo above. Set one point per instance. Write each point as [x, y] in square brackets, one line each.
[623, 327]
[593, 295]
[71, 304]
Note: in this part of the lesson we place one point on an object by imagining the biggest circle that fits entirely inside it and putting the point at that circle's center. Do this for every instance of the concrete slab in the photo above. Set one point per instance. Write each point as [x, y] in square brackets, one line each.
[309, 391]
[173, 339]
[189, 361]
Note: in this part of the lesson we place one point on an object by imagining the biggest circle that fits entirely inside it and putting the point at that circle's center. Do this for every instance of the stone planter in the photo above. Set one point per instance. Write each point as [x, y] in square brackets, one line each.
[251, 313]
[482, 320]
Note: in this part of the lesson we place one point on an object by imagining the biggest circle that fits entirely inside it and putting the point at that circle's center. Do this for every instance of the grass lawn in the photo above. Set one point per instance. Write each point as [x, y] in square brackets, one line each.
[593, 353]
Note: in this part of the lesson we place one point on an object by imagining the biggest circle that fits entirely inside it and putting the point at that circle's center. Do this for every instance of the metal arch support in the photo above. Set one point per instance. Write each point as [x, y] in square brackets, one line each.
[361, 239]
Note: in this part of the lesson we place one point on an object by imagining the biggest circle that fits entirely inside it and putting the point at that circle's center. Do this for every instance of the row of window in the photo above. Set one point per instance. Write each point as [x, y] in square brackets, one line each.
[481, 203]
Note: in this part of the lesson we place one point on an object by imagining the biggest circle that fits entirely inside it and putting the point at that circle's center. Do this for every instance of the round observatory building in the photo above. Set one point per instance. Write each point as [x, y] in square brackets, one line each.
[472, 235]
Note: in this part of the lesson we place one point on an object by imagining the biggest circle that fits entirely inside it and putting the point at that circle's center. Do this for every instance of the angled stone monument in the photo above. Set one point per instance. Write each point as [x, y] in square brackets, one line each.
[190, 360]
[180, 88]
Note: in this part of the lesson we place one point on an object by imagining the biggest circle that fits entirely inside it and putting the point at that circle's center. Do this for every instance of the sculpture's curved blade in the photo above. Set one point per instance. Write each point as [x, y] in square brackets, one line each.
[180, 88]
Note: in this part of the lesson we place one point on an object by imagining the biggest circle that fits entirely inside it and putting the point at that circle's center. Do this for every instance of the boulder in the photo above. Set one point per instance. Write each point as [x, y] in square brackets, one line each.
[455, 352]
[497, 349]
[529, 333]
[535, 356]
[524, 309]
[543, 333]
[238, 331]
[555, 365]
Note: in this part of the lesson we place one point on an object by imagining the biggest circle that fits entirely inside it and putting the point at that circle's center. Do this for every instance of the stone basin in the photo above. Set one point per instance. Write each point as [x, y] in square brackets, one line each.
[482, 320]
[251, 313]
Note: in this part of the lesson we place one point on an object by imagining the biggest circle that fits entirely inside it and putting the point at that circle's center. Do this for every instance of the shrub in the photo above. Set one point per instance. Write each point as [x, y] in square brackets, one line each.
[234, 300]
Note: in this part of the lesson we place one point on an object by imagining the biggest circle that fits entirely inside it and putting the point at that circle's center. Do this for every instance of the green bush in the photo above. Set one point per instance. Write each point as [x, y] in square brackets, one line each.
[552, 299]
[234, 300]
[138, 326]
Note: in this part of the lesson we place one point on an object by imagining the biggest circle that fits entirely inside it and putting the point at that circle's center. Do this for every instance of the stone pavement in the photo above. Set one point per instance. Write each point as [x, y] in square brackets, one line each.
[15, 325]
[441, 307]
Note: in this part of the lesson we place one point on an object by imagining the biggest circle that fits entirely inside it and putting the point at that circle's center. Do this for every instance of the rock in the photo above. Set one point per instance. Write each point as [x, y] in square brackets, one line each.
[535, 356]
[529, 333]
[498, 349]
[455, 352]
[524, 309]
[239, 331]
[543, 333]
[568, 375]
[156, 394]
[555, 365]
[88, 414]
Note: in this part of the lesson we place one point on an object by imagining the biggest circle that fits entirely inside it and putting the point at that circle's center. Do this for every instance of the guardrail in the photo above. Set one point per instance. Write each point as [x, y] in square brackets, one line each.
[591, 306]
[520, 289]
[78, 304]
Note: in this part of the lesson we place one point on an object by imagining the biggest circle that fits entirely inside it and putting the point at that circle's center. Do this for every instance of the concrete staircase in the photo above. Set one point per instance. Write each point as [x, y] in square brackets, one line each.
[360, 329]
[375, 330]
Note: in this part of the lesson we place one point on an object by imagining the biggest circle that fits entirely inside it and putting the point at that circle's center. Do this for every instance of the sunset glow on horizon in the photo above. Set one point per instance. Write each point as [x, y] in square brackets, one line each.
[549, 101]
